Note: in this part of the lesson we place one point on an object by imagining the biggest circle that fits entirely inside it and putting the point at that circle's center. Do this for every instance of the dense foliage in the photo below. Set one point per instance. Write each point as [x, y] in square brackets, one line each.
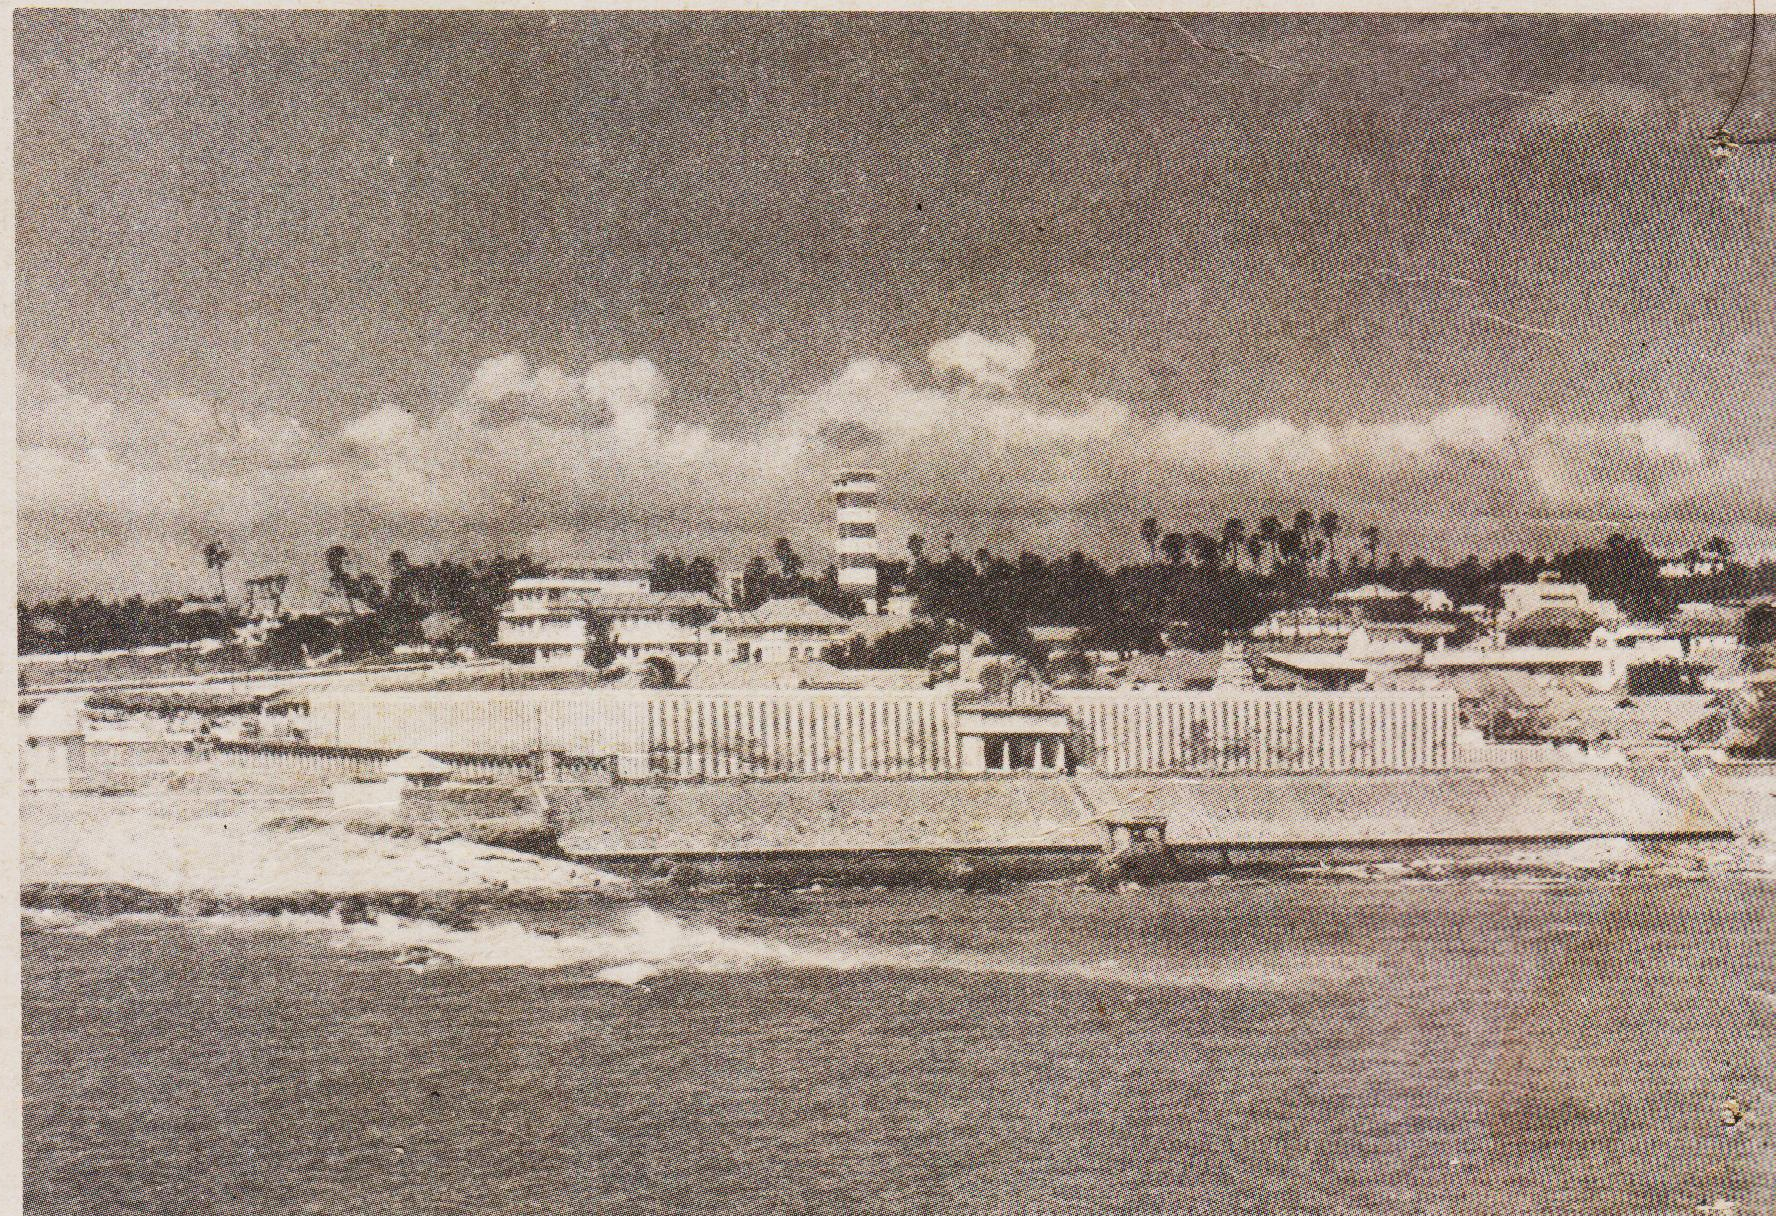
[1196, 589]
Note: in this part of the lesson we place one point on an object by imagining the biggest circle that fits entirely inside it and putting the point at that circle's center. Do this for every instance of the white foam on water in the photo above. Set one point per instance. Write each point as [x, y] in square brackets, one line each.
[646, 936]
[652, 944]
[56, 920]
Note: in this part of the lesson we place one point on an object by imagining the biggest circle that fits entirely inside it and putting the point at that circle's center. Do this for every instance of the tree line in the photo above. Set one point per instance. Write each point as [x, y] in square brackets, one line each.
[1196, 589]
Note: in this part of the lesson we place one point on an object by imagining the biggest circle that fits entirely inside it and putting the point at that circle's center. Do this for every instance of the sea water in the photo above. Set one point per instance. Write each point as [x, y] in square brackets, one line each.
[1275, 1046]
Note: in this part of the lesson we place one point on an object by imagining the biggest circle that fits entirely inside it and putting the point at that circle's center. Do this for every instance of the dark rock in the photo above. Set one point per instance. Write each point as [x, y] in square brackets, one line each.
[293, 823]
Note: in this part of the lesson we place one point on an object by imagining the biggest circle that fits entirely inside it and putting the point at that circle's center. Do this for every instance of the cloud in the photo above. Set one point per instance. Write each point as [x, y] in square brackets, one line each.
[115, 496]
[624, 395]
[982, 360]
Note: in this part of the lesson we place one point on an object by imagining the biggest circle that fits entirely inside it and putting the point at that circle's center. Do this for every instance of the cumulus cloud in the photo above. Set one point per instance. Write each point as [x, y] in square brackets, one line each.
[557, 461]
[984, 361]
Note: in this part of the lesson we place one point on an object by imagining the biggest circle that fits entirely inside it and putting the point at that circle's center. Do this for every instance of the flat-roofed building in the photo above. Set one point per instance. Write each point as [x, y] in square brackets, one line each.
[1293, 624]
[1601, 667]
[562, 624]
[1522, 599]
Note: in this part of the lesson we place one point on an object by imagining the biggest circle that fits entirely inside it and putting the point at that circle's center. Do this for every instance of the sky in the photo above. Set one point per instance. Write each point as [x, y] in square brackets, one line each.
[625, 282]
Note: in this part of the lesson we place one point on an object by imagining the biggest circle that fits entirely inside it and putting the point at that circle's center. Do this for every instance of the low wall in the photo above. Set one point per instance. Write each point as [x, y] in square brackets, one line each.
[653, 818]
[764, 816]
[101, 755]
[345, 763]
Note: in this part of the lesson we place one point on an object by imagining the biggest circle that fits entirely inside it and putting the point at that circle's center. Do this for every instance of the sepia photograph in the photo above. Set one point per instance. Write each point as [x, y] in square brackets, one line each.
[943, 613]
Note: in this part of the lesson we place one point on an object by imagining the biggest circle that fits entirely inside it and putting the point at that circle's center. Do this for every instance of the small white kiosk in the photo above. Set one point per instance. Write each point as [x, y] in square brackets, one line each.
[1023, 731]
[52, 745]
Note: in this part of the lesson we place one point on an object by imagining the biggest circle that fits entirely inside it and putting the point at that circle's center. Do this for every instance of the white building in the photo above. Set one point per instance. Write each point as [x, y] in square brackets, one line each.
[51, 742]
[1368, 593]
[1521, 599]
[1292, 624]
[558, 620]
[664, 638]
[778, 631]
[1364, 656]
[1604, 667]
[567, 580]
[1691, 565]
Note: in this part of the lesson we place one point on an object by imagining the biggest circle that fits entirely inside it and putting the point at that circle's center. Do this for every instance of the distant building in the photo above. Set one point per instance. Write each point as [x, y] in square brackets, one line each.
[1707, 629]
[1362, 658]
[1369, 593]
[1056, 639]
[52, 741]
[563, 617]
[1600, 667]
[1291, 624]
[778, 631]
[1522, 599]
[1173, 671]
[1432, 599]
[1691, 565]
[1557, 626]
[583, 576]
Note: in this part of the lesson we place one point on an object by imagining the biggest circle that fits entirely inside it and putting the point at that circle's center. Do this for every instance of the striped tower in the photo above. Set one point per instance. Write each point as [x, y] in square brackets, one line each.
[854, 492]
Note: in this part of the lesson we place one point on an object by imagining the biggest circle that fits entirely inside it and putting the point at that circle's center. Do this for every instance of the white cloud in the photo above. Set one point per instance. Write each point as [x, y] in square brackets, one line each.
[119, 494]
[987, 362]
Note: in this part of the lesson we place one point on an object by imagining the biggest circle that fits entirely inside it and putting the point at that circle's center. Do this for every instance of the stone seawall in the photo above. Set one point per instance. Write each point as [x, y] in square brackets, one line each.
[677, 818]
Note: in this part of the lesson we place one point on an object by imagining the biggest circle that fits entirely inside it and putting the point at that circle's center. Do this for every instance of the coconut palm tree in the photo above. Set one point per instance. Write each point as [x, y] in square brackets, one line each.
[1150, 537]
[217, 559]
[1329, 530]
[339, 578]
[1233, 538]
[1269, 529]
[787, 559]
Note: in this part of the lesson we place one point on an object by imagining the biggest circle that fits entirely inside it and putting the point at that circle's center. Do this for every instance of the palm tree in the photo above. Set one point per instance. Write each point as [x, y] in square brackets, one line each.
[1269, 528]
[1304, 523]
[1329, 530]
[217, 559]
[1204, 549]
[1289, 546]
[1233, 537]
[1255, 550]
[338, 578]
[787, 558]
[1372, 542]
[1150, 537]
[1719, 549]
[1174, 546]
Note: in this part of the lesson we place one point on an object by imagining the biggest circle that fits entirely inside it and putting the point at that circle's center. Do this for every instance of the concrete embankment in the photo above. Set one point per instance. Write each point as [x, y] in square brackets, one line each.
[976, 830]
[653, 818]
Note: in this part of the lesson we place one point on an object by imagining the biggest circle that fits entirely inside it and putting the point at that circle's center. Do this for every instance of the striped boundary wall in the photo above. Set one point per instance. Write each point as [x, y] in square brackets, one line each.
[1286, 732]
[798, 733]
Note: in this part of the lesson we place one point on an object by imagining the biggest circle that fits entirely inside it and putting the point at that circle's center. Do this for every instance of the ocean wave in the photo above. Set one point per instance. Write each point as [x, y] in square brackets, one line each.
[648, 943]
